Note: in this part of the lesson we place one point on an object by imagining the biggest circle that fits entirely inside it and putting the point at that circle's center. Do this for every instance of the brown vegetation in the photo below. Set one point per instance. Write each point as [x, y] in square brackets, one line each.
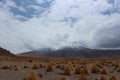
[113, 77]
[49, 68]
[32, 76]
[104, 78]
[67, 70]
[63, 78]
[16, 68]
[104, 71]
[82, 77]
[94, 68]
[6, 66]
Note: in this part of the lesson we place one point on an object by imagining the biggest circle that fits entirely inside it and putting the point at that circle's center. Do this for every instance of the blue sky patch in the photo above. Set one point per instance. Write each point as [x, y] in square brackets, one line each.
[30, 12]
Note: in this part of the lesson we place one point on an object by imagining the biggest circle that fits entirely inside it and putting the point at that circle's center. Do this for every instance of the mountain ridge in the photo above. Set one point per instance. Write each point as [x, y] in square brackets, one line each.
[4, 52]
[75, 53]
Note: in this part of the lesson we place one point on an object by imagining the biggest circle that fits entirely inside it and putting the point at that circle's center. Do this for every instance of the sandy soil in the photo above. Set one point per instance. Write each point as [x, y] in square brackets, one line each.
[11, 74]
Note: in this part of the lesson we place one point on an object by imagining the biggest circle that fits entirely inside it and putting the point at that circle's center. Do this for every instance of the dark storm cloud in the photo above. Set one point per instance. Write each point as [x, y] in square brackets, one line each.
[108, 37]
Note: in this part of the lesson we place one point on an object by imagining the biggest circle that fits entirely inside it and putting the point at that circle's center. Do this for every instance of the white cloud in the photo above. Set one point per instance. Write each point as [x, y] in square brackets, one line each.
[52, 30]
[40, 1]
[21, 8]
[8, 4]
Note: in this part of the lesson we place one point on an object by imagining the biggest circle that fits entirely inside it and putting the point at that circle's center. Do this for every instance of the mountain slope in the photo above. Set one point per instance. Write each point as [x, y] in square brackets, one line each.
[83, 53]
[4, 52]
[75, 53]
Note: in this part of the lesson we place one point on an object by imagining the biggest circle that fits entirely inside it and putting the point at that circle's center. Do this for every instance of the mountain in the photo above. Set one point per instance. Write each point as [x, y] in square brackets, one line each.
[36, 53]
[4, 52]
[75, 53]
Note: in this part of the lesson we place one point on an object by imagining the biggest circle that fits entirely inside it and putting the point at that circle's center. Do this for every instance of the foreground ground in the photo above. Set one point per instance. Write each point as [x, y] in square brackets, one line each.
[21, 68]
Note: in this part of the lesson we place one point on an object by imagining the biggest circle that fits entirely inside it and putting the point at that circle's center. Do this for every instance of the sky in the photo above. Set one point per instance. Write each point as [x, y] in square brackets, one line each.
[27, 25]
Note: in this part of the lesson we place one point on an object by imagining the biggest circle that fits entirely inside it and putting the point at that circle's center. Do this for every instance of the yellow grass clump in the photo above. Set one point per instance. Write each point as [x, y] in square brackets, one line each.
[78, 70]
[104, 71]
[67, 70]
[16, 68]
[63, 78]
[6, 66]
[113, 77]
[94, 68]
[118, 69]
[85, 70]
[82, 77]
[104, 78]
[32, 76]
[49, 68]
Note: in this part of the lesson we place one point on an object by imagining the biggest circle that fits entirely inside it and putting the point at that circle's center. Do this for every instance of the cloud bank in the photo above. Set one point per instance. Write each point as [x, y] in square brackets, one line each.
[27, 25]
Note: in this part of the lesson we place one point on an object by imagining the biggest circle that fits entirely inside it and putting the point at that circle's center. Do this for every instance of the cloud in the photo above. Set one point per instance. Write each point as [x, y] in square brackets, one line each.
[21, 8]
[109, 35]
[36, 24]
[8, 4]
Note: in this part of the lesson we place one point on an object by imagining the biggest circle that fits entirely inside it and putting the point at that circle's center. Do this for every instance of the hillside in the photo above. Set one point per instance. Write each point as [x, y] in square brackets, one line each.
[75, 53]
[4, 52]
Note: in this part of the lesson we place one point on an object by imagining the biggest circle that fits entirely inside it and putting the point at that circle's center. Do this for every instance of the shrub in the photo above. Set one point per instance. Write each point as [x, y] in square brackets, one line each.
[62, 67]
[67, 70]
[70, 65]
[16, 68]
[63, 78]
[5, 66]
[104, 78]
[118, 69]
[77, 70]
[49, 68]
[104, 71]
[85, 70]
[82, 77]
[94, 68]
[32, 76]
[113, 77]
[116, 66]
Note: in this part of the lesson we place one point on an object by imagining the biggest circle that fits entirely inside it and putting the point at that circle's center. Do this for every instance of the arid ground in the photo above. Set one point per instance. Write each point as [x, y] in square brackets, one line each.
[28, 68]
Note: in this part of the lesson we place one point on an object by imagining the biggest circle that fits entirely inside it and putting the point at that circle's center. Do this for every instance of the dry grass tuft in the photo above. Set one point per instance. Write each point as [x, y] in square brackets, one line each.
[94, 68]
[78, 70]
[32, 76]
[104, 71]
[82, 77]
[16, 68]
[104, 78]
[118, 68]
[49, 68]
[113, 77]
[63, 78]
[6, 66]
[85, 70]
[67, 70]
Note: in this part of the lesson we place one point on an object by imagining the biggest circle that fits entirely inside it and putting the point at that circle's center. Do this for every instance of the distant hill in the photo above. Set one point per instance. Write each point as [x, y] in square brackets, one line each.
[36, 53]
[75, 53]
[4, 52]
